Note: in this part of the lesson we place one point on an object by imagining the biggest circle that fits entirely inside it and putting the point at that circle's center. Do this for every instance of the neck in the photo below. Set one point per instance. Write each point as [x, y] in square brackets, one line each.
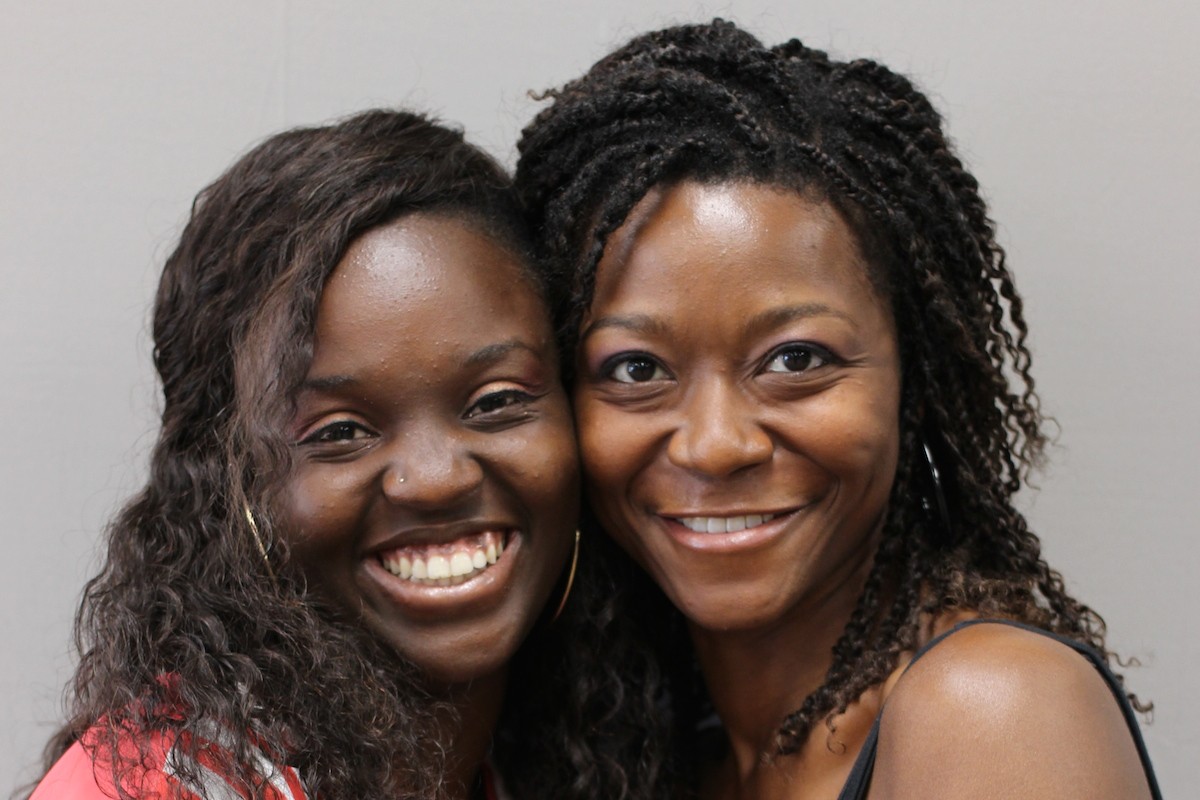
[472, 711]
[788, 659]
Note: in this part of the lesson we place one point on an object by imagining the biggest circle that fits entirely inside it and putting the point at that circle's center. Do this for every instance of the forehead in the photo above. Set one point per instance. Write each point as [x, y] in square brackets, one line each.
[426, 278]
[716, 242]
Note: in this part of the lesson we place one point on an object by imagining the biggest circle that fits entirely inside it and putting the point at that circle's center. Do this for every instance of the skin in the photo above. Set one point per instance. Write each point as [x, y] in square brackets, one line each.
[737, 360]
[417, 425]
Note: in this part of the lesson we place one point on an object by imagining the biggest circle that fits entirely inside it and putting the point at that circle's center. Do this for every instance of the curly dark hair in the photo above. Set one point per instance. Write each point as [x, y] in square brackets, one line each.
[190, 623]
[711, 103]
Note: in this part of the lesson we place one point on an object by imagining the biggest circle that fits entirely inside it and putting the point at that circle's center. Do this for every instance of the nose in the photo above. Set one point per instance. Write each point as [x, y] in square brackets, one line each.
[718, 434]
[429, 470]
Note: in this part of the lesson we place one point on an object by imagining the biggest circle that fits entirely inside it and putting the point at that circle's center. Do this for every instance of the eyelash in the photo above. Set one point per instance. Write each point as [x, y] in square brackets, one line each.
[328, 434]
[609, 369]
[508, 397]
[813, 351]
[323, 435]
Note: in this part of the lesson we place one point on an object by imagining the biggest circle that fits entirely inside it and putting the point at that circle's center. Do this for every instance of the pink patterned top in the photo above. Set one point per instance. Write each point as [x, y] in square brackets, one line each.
[170, 772]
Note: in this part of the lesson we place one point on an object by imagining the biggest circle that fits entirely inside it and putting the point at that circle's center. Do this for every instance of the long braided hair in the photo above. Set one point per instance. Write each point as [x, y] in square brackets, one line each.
[711, 103]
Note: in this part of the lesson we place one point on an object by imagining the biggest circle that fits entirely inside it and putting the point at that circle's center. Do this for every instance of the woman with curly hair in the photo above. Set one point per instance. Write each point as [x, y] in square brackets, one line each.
[804, 402]
[362, 496]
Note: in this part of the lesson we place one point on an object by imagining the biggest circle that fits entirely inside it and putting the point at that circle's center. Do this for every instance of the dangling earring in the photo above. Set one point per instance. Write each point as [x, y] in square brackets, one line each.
[938, 494]
[570, 581]
[262, 548]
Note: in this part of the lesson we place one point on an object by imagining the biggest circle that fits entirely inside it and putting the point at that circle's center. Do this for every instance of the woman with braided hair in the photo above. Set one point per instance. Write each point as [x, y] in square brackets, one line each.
[804, 403]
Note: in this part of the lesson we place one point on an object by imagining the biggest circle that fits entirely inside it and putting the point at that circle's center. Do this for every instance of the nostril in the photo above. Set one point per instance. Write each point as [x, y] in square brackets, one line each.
[719, 450]
[432, 482]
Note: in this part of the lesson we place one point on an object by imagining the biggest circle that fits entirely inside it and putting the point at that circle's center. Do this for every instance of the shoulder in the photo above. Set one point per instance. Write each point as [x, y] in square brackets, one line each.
[74, 777]
[155, 765]
[999, 711]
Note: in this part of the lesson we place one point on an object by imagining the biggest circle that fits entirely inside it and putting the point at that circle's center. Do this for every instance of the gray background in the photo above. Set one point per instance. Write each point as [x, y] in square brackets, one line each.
[1080, 119]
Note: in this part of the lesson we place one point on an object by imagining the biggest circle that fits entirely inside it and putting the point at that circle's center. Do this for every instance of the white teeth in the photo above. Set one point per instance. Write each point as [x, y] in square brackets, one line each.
[460, 564]
[446, 570]
[724, 524]
[439, 567]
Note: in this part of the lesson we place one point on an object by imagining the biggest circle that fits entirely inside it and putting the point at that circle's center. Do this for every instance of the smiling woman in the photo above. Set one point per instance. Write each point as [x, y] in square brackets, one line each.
[681, 411]
[363, 494]
[434, 480]
[804, 404]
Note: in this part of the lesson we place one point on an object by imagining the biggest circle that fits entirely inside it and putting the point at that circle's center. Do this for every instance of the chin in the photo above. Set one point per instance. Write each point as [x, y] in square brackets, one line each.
[462, 656]
[461, 671]
[728, 607]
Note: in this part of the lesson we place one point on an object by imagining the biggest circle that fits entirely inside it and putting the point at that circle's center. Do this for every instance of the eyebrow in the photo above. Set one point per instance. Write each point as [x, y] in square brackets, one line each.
[646, 324]
[489, 354]
[775, 317]
[496, 352]
[637, 323]
[329, 383]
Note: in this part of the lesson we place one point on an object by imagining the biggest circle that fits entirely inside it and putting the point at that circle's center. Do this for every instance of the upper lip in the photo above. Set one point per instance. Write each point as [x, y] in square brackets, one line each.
[418, 535]
[775, 512]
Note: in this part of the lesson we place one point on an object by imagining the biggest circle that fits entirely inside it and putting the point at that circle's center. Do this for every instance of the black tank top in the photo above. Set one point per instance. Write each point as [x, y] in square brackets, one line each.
[860, 776]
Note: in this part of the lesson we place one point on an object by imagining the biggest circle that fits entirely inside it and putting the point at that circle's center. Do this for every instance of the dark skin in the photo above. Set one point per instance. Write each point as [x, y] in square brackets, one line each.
[432, 424]
[738, 409]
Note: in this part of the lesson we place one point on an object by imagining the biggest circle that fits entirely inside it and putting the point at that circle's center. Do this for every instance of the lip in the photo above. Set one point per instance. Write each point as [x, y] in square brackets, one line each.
[426, 535]
[743, 541]
[435, 603]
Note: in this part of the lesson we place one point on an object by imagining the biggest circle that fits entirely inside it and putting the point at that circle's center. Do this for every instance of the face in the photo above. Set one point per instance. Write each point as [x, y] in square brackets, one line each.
[434, 490]
[738, 401]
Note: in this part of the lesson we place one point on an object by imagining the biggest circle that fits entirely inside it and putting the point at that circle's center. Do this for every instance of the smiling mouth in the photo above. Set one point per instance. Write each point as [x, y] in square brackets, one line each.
[447, 564]
[724, 524]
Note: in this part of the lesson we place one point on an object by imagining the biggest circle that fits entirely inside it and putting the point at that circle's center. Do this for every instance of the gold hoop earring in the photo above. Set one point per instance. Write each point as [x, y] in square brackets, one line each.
[570, 581]
[262, 548]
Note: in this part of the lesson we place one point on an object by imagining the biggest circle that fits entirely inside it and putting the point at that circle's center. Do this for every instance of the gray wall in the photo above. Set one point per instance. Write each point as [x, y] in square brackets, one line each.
[1080, 119]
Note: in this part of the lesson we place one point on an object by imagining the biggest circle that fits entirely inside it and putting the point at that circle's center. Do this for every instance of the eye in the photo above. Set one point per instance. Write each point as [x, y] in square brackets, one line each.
[343, 430]
[795, 358]
[634, 369]
[498, 402]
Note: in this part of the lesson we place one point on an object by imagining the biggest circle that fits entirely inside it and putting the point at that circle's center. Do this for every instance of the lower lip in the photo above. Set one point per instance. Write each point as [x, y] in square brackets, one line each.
[743, 541]
[478, 592]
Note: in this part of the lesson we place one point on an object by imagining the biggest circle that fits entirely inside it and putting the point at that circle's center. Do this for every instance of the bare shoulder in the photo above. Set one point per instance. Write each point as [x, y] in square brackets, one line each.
[998, 711]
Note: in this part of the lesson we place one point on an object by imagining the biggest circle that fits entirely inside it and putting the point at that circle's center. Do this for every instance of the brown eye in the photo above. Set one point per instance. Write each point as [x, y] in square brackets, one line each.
[340, 431]
[798, 358]
[495, 402]
[636, 369]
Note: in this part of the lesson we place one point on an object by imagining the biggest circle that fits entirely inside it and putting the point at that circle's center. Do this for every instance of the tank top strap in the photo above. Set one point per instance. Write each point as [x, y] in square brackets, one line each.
[859, 781]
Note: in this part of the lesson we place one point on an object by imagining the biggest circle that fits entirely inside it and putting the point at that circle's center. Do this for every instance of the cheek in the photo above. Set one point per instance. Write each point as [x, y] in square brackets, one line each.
[609, 447]
[542, 463]
[317, 511]
[859, 433]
